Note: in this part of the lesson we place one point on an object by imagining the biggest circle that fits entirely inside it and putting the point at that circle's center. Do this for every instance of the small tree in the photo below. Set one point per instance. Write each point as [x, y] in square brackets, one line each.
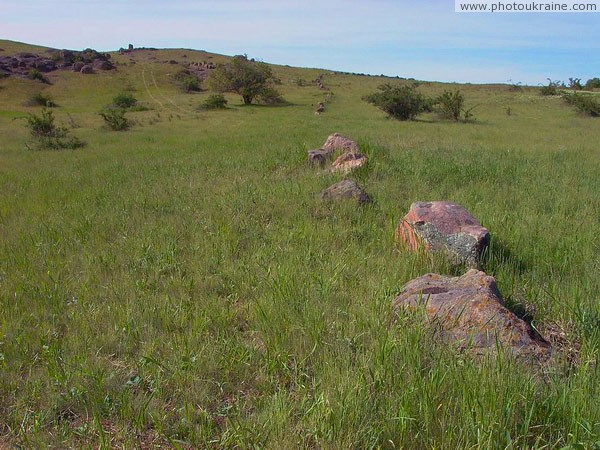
[245, 77]
[592, 83]
[401, 102]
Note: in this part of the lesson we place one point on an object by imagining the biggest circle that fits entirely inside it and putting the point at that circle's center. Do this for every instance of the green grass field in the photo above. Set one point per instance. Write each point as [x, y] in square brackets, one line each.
[182, 285]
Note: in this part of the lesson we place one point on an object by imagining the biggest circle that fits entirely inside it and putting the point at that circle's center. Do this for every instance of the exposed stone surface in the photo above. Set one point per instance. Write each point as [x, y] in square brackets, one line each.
[319, 156]
[101, 64]
[345, 190]
[347, 162]
[444, 226]
[338, 142]
[470, 311]
[87, 69]
[78, 66]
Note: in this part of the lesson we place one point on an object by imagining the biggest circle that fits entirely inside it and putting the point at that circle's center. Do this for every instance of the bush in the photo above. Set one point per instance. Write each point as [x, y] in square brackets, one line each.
[553, 88]
[48, 136]
[270, 96]
[115, 119]
[124, 101]
[188, 82]
[35, 74]
[592, 83]
[575, 84]
[215, 101]
[585, 104]
[450, 104]
[401, 102]
[40, 99]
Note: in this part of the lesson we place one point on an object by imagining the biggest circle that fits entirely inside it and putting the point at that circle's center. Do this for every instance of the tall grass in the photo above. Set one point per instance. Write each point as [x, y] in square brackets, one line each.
[184, 286]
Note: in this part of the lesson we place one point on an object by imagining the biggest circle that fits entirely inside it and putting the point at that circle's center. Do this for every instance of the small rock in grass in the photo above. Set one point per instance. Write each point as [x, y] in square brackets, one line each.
[346, 190]
[318, 157]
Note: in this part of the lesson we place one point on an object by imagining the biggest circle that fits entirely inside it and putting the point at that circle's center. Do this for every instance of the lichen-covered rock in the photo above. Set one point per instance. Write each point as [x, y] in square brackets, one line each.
[338, 142]
[444, 226]
[469, 310]
[347, 162]
[318, 157]
[346, 190]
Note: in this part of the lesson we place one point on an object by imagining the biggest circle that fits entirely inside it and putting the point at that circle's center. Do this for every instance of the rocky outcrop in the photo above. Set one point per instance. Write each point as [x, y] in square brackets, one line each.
[469, 311]
[348, 162]
[444, 226]
[21, 64]
[345, 190]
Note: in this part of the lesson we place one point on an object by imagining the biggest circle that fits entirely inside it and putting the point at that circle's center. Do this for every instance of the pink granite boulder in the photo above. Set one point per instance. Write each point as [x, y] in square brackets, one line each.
[444, 226]
[469, 310]
[338, 142]
[348, 162]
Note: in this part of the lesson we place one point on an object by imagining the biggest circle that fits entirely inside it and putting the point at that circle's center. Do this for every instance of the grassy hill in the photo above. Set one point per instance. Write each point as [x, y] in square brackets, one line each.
[182, 285]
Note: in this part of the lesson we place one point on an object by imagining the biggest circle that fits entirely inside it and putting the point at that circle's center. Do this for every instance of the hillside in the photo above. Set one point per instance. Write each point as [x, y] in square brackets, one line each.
[183, 285]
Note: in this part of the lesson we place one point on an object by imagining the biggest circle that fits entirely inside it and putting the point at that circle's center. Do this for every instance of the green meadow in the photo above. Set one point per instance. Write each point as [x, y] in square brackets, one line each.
[183, 285]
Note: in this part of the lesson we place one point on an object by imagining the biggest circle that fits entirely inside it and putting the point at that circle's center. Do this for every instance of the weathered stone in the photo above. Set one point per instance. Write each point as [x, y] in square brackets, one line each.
[102, 64]
[338, 142]
[78, 66]
[318, 157]
[44, 65]
[87, 69]
[345, 190]
[444, 226]
[469, 310]
[347, 162]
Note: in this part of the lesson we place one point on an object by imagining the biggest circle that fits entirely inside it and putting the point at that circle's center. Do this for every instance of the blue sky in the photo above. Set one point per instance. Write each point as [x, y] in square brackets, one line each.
[424, 40]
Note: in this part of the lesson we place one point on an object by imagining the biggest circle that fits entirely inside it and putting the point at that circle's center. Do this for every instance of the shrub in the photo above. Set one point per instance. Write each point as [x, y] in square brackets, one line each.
[47, 135]
[35, 74]
[552, 88]
[592, 83]
[575, 83]
[124, 101]
[270, 96]
[115, 119]
[450, 104]
[188, 82]
[40, 99]
[401, 102]
[215, 101]
[585, 104]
